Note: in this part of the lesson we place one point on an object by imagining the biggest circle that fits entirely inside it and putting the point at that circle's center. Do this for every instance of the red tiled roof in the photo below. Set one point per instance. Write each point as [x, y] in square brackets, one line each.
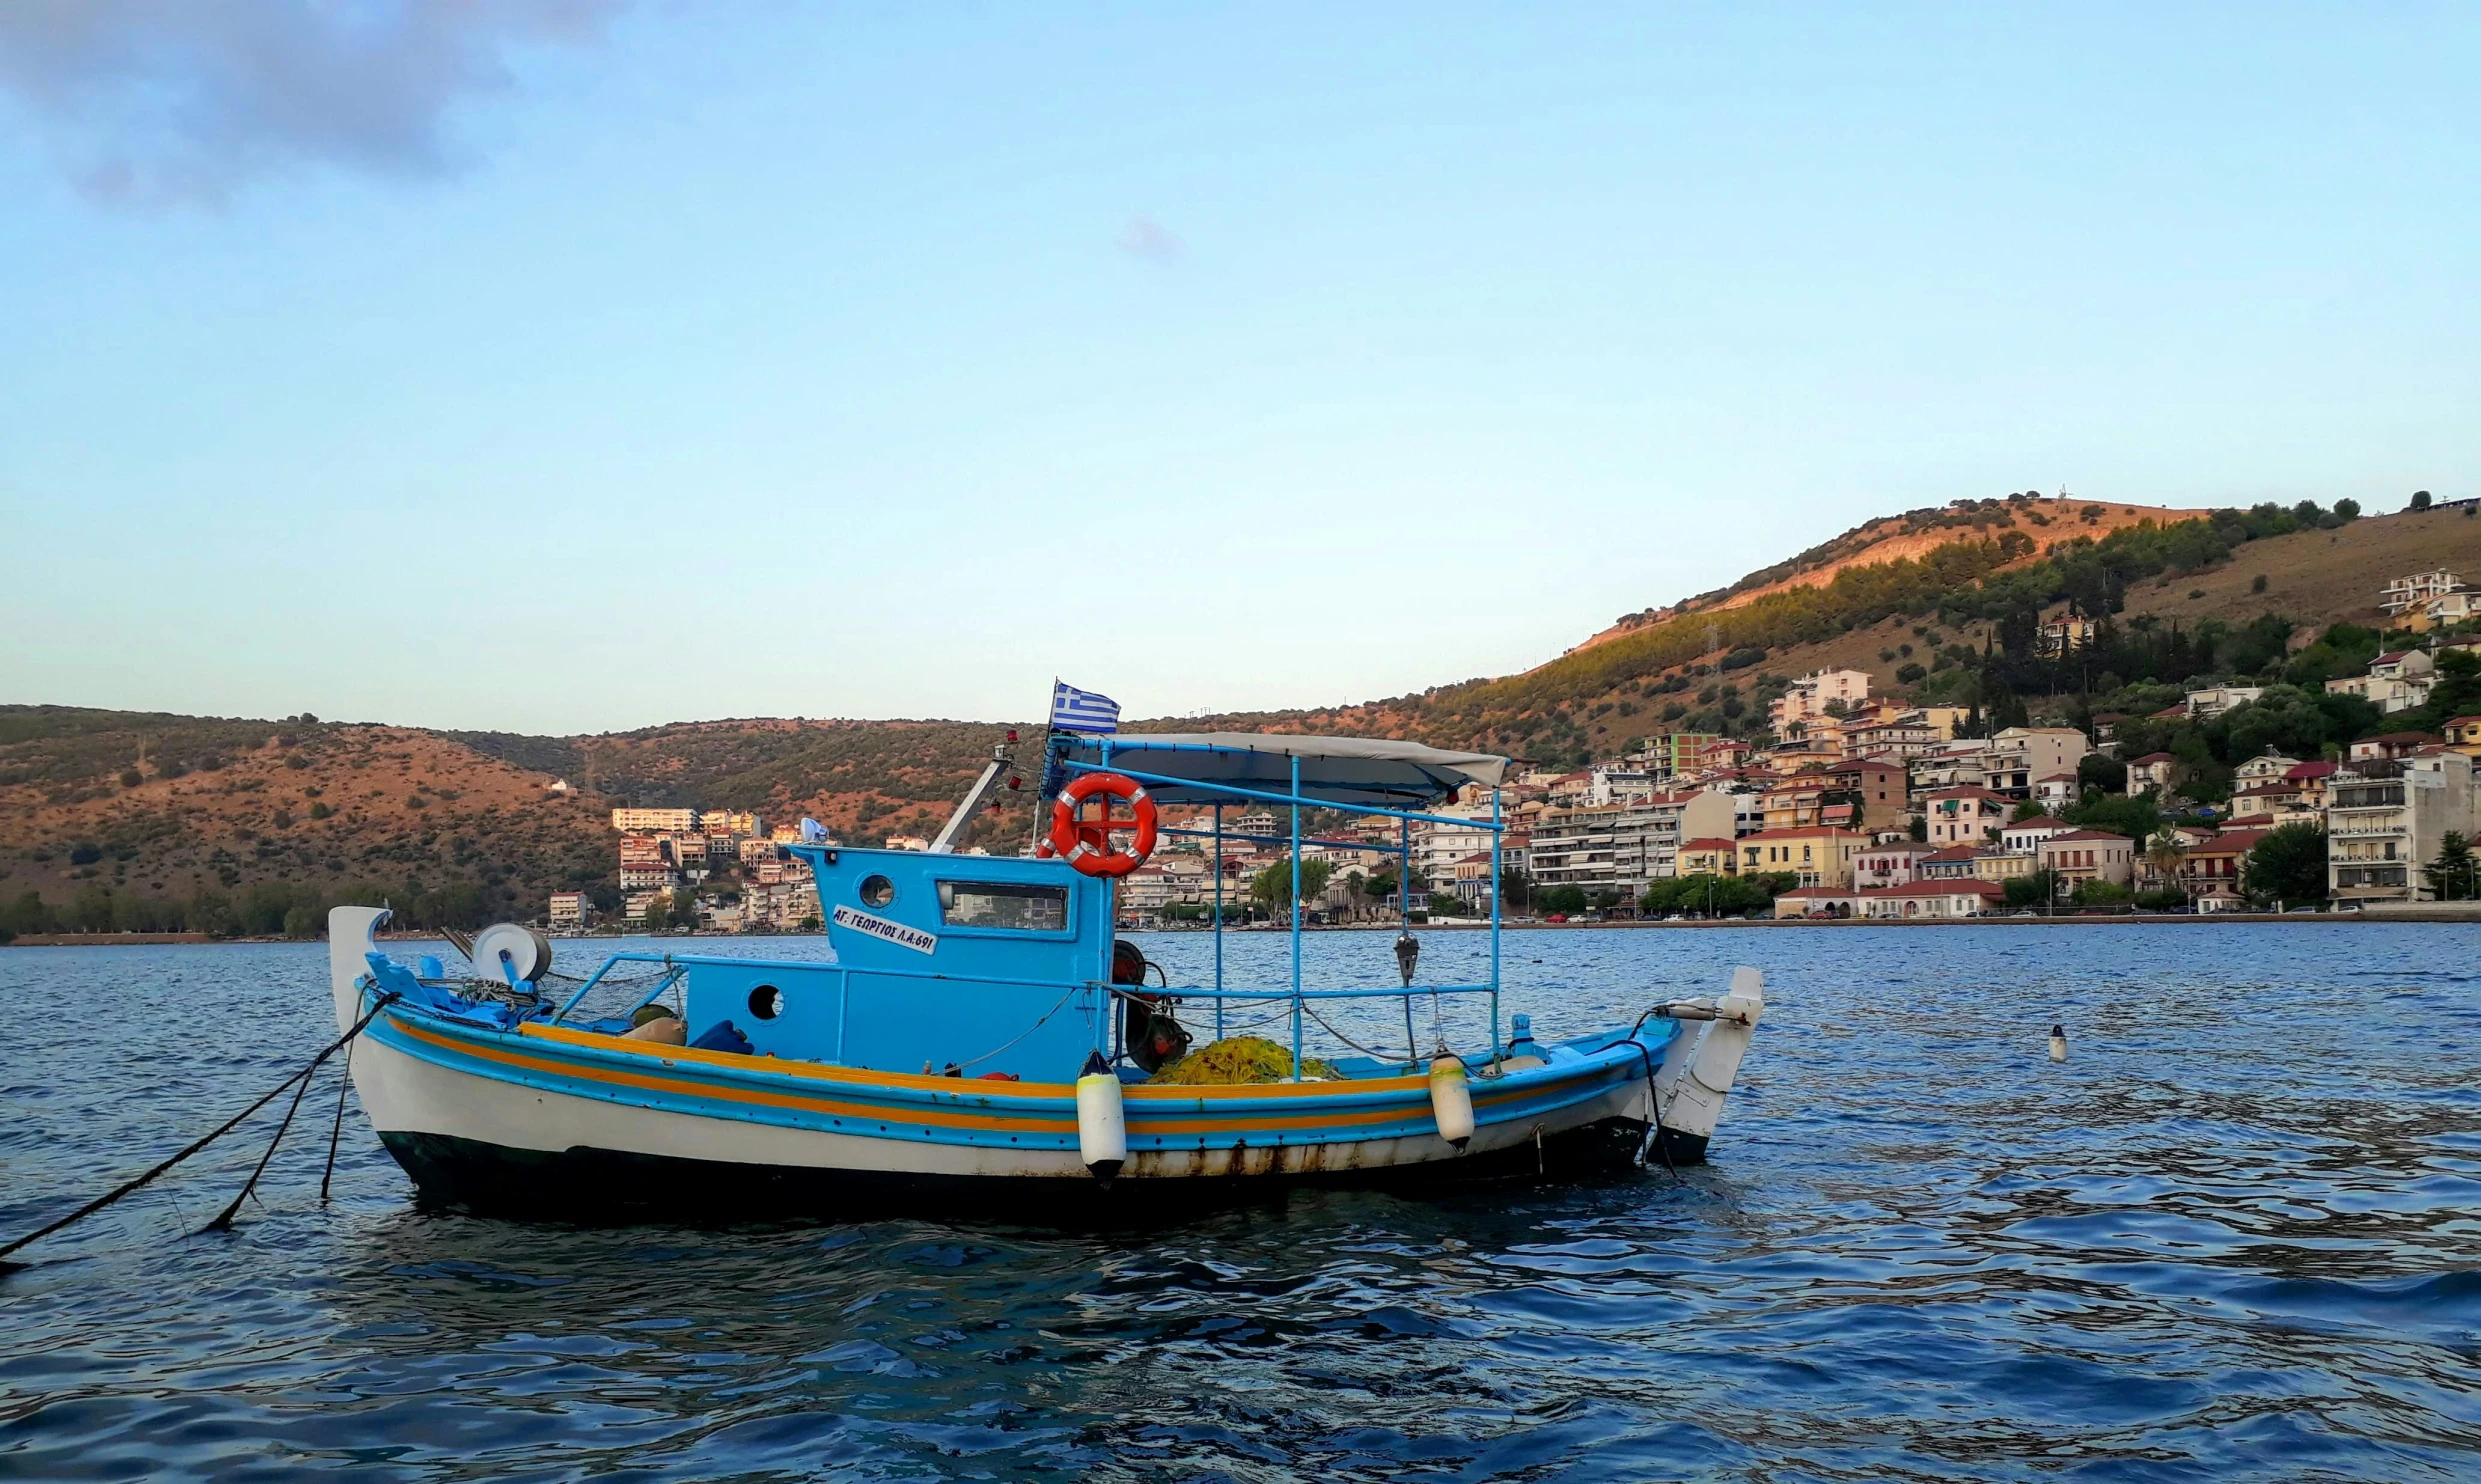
[2283, 785]
[2399, 737]
[1709, 842]
[2055, 777]
[2306, 771]
[2169, 711]
[2153, 757]
[1952, 853]
[2390, 657]
[2039, 822]
[2230, 842]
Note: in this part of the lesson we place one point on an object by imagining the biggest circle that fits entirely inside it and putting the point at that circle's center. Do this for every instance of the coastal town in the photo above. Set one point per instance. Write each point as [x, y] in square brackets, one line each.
[1852, 805]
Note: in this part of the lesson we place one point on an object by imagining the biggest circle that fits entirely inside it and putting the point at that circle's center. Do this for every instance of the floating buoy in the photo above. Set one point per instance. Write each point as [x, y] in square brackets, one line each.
[1451, 1101]
[2058, 1043]
[1102, 1132]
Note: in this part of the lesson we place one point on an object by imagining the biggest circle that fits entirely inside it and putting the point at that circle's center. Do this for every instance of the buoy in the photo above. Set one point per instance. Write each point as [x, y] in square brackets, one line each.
[2058, 1043]
[1451, 1101]
[1102, 1133]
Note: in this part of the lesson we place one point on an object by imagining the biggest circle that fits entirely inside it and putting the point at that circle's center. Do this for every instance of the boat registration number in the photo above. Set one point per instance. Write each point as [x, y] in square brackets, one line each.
[886, 931]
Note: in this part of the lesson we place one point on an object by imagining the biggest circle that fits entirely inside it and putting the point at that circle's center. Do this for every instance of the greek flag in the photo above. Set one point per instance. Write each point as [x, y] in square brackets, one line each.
[1074, 710]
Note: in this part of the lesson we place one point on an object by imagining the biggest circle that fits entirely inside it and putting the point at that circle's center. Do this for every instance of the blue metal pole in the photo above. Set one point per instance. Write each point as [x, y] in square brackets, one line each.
[1496, 837]
[1404, 875]
[1296, 918]
[1218, 870]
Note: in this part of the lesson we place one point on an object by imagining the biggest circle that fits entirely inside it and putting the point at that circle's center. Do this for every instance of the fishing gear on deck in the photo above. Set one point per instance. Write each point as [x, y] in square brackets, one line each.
[127, 1187]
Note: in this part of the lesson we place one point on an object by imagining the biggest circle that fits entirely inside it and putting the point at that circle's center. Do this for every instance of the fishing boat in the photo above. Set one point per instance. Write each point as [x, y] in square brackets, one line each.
[980, 1037]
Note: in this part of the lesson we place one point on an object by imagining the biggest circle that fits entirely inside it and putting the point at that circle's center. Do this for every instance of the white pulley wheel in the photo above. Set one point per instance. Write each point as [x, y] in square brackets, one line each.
[527, 953]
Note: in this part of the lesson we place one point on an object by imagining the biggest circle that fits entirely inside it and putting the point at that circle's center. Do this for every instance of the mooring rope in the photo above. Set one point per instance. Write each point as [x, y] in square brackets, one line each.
[226, 1127]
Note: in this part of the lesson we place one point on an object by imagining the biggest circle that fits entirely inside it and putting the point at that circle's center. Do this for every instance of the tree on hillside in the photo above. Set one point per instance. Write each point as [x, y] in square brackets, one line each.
[2420, 500]
[2136, 818]
[2288, 865]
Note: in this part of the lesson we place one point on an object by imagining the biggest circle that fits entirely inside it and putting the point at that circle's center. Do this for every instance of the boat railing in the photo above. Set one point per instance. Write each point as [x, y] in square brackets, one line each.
[676, 966]
[1295, 801]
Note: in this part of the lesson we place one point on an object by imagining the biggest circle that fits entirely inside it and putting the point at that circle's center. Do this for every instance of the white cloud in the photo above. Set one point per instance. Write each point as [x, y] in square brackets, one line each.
[182, 102]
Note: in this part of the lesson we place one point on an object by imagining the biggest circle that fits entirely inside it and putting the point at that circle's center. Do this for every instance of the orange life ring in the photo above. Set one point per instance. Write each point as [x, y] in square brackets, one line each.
[1086, 843]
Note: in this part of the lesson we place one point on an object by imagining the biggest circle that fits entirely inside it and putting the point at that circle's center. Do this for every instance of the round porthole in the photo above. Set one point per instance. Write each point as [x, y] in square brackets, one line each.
[766, 1002]
[877, 891]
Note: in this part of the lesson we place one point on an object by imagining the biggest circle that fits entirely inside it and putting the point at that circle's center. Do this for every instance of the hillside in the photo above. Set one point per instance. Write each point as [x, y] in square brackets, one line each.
[245, 824]
[2044, 521]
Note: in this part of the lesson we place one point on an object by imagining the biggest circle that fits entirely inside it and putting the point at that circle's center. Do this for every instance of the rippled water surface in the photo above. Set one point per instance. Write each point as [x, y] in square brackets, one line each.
[2234, 1236]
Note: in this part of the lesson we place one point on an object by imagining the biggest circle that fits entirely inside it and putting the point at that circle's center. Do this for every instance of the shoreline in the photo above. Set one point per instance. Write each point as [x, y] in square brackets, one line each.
[2427, 912]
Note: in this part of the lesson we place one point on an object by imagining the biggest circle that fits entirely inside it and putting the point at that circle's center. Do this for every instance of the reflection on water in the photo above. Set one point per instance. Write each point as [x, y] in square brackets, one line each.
[2233, 1236]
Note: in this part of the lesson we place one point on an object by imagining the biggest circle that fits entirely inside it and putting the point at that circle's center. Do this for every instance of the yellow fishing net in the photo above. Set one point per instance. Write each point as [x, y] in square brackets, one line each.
[1242, 1059]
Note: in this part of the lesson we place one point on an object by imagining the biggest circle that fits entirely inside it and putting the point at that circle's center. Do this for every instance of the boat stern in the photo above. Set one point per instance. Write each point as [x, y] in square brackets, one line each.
[351, 938]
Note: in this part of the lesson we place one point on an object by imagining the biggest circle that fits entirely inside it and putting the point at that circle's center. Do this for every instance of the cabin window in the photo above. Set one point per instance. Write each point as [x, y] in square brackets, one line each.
[992, 904]
[877, 891]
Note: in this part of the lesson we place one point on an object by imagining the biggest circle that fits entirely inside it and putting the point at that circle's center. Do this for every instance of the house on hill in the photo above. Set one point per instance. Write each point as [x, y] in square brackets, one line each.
[2391, 746]
[2153, 770]
[2088, 855]
[1963, 814]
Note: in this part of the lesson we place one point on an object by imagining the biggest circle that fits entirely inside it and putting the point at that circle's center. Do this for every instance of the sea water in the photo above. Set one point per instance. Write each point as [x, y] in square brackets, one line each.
[2233, 1236]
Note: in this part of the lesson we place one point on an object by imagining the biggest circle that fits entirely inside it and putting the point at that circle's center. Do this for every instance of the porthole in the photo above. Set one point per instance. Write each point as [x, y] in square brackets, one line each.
[766, 1002]
[877, 891]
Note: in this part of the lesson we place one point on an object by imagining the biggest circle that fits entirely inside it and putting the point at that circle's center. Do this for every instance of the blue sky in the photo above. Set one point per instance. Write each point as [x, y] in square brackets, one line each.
[579, 367]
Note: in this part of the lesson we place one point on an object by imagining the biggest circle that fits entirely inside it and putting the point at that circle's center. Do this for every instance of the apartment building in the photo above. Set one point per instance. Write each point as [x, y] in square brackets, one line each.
[1819, 856]
[1623, 847]
[2385, 820]
[2416, 588]
[1810, 694]
[571, 912]
[655, 821]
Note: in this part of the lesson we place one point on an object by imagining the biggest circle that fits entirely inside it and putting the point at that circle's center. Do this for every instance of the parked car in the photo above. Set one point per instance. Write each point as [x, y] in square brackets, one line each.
[1556, 917]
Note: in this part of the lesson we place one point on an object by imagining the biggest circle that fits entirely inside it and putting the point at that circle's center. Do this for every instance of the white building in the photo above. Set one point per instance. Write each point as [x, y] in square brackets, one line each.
[655, 821]
[2214, 700]
[2418, 587]
[2386, 819]
[571, 912]
[1810, 694]
[2397, 681]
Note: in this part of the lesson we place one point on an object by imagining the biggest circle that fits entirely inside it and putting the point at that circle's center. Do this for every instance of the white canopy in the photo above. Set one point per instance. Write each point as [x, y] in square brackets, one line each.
[1338, 771]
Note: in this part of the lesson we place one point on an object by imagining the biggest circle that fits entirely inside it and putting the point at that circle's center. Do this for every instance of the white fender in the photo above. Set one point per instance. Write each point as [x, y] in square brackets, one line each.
[1102, 1130]
[1451, 1101]
[349, 938]
[1698, 1068]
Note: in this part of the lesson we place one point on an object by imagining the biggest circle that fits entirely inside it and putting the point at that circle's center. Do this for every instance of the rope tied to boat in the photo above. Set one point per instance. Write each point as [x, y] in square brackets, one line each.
[128, 1187]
